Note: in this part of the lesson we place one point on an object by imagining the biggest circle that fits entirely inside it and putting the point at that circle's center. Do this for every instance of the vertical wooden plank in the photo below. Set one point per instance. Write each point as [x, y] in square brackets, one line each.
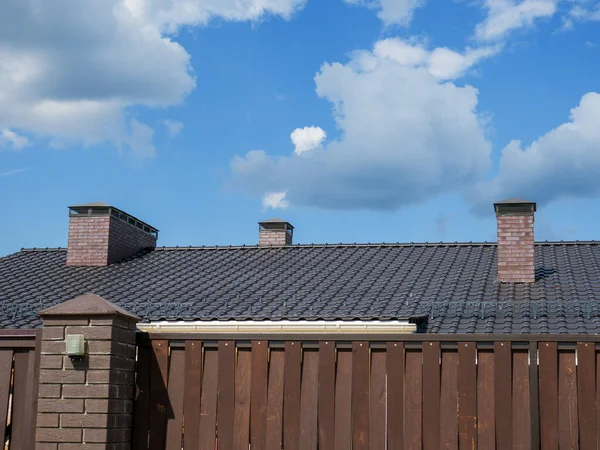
[326, 394]
[597, 399]
[568, 436]
[360, 395]
[413, 396]
[521, 415]
[309, 400]
[241, 415]
[275, 401]
[21, 411]
[291, 396]
[33, 375]
[534, 401]
[431, 395]
[141, 405]
[176, 390]
[193, 389]
[586, 394]
[258, 405]
[486, 430]
[503, 394]
[378, 397]
[208, 402]
[6, 363]
[467, 396]
[159, 363]
[226, 394]
[343, 401]
[395, 395]
[548, 388]
[449, 401]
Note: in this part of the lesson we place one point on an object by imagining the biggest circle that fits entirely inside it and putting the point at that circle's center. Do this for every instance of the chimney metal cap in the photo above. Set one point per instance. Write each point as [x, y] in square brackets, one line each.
[515, 206]
[102, 209]
[276, 224]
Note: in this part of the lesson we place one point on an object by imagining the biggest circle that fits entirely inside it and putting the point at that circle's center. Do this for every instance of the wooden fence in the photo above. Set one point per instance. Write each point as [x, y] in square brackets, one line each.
[19, 373]
[366, 393]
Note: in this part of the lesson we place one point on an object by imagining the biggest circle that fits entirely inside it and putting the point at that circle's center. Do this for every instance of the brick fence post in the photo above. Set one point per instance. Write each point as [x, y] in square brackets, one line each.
[86, 404]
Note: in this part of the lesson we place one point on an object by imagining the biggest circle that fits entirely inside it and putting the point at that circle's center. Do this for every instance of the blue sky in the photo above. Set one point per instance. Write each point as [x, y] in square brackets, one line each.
[357, 121]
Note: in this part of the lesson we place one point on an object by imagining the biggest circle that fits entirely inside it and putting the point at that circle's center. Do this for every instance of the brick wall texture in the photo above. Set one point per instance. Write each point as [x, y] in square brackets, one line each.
[275, 238]
[102, 240]
[516, 248]
[86, 404]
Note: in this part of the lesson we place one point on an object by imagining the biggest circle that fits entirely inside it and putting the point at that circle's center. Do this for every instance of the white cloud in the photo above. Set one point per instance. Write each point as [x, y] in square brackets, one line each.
[69, 70]
[392, 12]
[12, 172]
[405, 137]
[275, 200]
[9, 138]
[564, 162]
[441, 62]
[581, 12]
[307, 138]
[505, 16]
[174, 127]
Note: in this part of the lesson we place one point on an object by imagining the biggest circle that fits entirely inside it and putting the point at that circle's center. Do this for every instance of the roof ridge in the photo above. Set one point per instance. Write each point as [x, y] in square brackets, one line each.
[327, 245]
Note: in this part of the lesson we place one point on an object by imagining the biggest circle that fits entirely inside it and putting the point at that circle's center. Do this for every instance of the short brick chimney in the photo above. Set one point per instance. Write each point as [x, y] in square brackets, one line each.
[100, 235]
[275, 233]
[515, 241]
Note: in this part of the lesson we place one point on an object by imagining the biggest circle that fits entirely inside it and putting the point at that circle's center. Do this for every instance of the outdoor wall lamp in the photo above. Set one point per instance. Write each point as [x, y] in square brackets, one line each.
[76, 346]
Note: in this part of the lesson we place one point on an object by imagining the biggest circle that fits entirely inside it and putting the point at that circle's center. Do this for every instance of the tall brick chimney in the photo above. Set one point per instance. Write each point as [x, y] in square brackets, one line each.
[275, 232]
[515, 241]
[100, 235]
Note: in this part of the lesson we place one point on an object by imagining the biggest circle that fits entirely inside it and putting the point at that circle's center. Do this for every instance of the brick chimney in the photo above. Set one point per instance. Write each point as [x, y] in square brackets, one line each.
[515, 241]
[275, 232]
[100, 235]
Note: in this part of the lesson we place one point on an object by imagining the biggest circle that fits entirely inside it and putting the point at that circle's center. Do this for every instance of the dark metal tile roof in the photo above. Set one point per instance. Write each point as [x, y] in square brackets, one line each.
[454, 285]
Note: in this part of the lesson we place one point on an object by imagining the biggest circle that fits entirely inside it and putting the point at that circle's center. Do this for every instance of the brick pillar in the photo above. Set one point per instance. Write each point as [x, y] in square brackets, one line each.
[86, 404]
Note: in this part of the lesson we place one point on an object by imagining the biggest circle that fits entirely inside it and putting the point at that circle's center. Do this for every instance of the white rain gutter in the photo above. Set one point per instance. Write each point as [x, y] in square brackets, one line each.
[282, 327]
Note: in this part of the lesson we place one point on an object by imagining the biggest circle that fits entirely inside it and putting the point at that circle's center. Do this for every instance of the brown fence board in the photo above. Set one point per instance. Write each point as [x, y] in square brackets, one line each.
[258, 405]
[226, 394]
[378, 397]
[413, 400]
[395, 395]
[176, 390]
[486, 429]
[449, 401]
[6, 363]
[141, 405]
[309, 400]
[597, 400]
[586, 394]
[291, 395]
[431, 395]
[343, 401]
[241, 416]
[326, 394]
[503, 394]
[208, 402]
[467, 396]
[568, 433]
[521, 417]
[548, 388]
[20, 411]
[193, 389]
[360, 395]
[275, 401]
[159, 398]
